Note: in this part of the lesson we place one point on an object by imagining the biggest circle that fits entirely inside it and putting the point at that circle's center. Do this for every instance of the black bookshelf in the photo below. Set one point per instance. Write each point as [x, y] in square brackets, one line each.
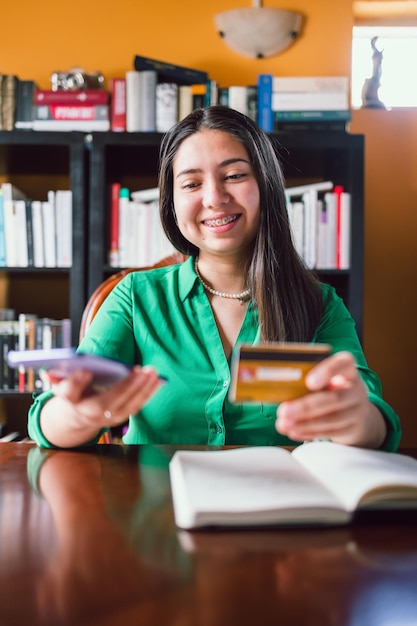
[36, 162]
[132, 160]
[338, 157]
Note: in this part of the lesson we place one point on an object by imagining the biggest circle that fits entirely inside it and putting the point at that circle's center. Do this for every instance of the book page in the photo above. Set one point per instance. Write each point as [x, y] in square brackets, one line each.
[247, 485]
[351, 473]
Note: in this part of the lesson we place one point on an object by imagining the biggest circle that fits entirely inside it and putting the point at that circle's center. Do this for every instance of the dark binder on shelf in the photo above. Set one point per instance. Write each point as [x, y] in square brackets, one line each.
[169, 72]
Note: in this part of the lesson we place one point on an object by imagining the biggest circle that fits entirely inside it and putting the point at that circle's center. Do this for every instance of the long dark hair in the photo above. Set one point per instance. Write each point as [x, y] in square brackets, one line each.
[287, 295]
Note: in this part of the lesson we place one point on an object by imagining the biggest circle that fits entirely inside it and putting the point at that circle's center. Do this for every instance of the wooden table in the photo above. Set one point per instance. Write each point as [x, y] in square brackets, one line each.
[88, 537]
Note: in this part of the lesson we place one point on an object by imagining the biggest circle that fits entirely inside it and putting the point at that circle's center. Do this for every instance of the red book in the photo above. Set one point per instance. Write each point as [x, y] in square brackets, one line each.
[338, 190]
[75, 96]
[117, 104]
[114, 225]
[342, 228]
[71, 112]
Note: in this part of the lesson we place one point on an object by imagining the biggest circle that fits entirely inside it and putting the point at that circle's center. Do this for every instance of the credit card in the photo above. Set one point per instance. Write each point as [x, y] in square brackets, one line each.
[273, 372]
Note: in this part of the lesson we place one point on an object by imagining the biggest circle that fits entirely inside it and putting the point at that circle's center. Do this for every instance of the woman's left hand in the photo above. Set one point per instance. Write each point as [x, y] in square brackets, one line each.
[337, 407]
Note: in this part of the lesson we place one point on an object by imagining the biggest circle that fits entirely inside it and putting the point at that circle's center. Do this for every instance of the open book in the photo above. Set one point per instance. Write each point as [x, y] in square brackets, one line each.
[317, 483]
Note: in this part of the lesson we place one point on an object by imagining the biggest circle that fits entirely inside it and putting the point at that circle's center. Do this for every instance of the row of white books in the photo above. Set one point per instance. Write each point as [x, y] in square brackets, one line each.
[137, 238]
[320, 216]
[35, 233]
[29, 332]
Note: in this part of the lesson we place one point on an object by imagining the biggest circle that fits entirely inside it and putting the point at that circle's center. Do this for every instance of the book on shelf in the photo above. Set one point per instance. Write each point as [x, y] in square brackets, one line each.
[35, 233]
[37, 229]
[265, 119]
[343, 211]
[133, 118]
[223, 96]
[117, 86]
[78, 112]
[71, 96]
[312, 126]
[8, 88]
[141, 101]
[63, 221]
[22, 256]
[145, 195]
[313, 218]
[28, 224]
[252, 102]
[29, 332]
[326, 233]
[136, 237]
[185, 101]
[49, 230]
[311, 121]
[3, 258]
[84, 126]
[295, 211]
[238, 98]
[166, 106]
[148, 104]
[318, 483]
[114, 194]
[11, 194]
[311, 84]
[342, 115]
[9, 340]
[212, 93]
[25, 91]
[310, 101]
[124, 199]
[170, 72]
[242, 98]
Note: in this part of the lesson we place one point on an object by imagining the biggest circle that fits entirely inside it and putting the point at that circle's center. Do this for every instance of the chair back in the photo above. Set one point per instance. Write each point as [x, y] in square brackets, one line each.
[100, 294]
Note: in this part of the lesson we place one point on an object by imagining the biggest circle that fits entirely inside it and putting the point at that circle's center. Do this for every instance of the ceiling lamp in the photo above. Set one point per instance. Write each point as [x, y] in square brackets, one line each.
[258, 32]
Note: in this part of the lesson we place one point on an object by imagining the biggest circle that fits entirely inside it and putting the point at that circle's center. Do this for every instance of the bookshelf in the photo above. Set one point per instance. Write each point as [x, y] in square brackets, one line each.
[132, 160]
[88, 164]
[36, 162]
[339, 157]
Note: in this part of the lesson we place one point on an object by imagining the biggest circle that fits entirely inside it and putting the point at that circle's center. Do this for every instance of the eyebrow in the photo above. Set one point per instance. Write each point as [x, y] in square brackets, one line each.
[225, 163]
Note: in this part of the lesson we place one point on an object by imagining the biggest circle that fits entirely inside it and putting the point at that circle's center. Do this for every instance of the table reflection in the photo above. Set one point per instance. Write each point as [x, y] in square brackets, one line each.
[95, 543]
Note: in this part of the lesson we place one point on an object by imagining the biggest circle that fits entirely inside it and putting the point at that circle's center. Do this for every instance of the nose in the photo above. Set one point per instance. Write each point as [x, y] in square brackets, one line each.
[215, 194]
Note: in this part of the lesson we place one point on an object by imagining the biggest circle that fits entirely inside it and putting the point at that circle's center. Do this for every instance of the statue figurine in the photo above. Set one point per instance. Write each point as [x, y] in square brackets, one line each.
[370, 99]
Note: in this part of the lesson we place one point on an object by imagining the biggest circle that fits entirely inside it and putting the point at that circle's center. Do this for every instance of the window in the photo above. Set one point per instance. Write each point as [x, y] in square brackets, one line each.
[398, 82]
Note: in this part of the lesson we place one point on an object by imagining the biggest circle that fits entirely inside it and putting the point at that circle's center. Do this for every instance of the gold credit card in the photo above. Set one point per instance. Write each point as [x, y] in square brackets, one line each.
[273, 372]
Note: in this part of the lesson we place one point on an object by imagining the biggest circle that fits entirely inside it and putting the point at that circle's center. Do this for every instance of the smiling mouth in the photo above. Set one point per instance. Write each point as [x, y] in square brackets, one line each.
[221, 221]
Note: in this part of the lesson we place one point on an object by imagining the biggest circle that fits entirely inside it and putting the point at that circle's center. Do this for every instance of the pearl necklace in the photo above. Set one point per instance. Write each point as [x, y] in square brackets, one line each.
[242, 297]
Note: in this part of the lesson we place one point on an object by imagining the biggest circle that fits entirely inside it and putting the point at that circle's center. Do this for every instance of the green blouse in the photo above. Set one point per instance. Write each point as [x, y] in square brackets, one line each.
[163, 318]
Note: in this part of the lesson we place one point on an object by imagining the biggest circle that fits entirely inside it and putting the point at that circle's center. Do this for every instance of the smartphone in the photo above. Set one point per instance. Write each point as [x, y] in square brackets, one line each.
[63, 361]
[273, 372]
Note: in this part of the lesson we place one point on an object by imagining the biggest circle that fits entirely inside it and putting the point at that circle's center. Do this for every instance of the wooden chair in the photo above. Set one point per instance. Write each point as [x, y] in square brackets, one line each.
[96, 300]
[100, 294]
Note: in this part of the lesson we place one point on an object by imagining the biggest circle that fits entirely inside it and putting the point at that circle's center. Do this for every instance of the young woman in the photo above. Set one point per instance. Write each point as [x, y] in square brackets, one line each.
[223, 205]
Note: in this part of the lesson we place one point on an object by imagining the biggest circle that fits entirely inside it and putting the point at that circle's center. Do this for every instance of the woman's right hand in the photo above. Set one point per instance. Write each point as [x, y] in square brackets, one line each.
[77, 412]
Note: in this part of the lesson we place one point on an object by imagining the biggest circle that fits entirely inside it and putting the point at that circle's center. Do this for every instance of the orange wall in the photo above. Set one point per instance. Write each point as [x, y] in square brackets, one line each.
[43, 37]
[390, 337]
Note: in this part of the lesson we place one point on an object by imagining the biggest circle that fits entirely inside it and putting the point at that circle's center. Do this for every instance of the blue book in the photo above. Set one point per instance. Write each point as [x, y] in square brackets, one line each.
[3, 262]
[265, 117]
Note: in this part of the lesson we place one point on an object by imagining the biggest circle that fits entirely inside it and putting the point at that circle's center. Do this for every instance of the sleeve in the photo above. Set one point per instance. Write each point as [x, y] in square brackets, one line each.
[34, 426]
[337, 328]
[110, 334]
